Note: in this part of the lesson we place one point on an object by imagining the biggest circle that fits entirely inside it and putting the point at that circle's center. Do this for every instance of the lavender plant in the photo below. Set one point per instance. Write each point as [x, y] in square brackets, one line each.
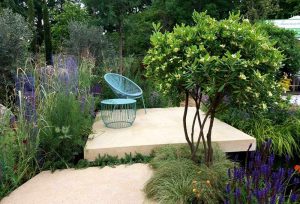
[25, 90]
[258, 182]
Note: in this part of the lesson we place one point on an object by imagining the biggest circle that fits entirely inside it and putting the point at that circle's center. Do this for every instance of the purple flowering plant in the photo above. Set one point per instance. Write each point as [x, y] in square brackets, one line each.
[259, 182]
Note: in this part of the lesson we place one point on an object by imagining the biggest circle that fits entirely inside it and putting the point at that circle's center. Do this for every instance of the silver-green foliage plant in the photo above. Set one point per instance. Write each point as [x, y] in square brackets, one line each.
[214, 59]
[86, 40]
[15, 37]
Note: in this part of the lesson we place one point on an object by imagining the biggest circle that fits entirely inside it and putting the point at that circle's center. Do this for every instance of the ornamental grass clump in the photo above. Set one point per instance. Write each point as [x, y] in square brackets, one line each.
[259, 182]
[178, 179]
[230, 59]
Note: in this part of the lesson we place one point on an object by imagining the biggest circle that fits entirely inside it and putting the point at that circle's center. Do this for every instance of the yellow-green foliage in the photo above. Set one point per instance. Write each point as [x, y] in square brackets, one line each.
[230, 56]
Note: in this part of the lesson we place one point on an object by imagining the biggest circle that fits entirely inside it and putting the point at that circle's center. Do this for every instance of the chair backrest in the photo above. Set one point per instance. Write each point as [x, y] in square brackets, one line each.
[122, 86]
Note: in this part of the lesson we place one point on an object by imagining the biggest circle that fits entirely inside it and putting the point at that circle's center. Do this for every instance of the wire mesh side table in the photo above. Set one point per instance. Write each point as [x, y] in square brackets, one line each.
[118, 113]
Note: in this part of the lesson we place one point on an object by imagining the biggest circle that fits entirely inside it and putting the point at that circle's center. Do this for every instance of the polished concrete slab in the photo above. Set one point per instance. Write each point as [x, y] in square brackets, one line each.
[119, 185]
[158, 127]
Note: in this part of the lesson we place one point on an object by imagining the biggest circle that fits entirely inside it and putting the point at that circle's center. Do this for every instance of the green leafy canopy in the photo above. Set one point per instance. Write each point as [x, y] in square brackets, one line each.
[231, 56]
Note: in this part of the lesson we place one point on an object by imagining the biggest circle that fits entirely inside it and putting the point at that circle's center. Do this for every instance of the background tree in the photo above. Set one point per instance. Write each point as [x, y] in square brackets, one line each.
[14, 37]
[31, 22]
[112, 14]
[259, 9]
[86, 40]
[285, 41]
[288, 8]
[47, 35]
[61, 19]
[214, 59]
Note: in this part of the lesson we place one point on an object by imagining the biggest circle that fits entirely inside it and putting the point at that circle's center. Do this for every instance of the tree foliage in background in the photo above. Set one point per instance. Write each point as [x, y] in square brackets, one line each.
[287, 9]
[112, 15]
[259, 9]
[87, 40]
[61, 19]
[217, 59]
[285, 41]
[15, 36]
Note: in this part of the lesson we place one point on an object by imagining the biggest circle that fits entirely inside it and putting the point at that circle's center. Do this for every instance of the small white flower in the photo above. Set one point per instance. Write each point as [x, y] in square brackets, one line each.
[248, 89]
[270, 94]
[242, 76]
[264, 106]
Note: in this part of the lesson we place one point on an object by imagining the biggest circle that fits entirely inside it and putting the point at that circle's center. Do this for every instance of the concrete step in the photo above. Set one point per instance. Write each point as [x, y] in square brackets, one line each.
[160, 126]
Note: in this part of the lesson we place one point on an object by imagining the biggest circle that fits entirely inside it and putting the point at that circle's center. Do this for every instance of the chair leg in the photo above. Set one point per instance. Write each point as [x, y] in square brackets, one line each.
[144, 104]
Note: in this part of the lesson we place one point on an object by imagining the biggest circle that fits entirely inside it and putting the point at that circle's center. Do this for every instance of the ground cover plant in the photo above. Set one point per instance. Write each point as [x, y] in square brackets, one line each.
[175, 175]
[228, 59]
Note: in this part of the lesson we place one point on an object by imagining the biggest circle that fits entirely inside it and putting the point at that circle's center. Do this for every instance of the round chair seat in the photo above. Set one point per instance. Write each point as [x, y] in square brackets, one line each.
[118, 113]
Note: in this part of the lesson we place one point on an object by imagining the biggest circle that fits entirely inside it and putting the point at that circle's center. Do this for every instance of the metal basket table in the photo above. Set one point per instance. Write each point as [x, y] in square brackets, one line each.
[118, 113]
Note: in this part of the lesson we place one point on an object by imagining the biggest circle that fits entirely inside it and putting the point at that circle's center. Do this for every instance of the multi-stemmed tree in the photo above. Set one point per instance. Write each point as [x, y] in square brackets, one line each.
[214, 59]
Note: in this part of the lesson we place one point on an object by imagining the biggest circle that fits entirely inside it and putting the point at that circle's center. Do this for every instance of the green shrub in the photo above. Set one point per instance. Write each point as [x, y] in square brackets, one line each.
[177, 179]
[66, 108]
[71, 12]
[66, 126]
[87, 40]
[15, 36]
[285, 41]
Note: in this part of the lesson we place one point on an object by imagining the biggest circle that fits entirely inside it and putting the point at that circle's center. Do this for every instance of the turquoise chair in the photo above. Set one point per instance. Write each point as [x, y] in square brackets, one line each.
[124, 87]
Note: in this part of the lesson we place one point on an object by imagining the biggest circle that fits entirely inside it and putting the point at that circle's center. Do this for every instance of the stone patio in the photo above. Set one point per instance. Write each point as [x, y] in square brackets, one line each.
[119, 185]
[158, 127]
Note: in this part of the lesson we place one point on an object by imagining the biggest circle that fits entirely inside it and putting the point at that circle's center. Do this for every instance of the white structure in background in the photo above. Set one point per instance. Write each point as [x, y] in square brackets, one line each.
[295, 99]
[290, 24]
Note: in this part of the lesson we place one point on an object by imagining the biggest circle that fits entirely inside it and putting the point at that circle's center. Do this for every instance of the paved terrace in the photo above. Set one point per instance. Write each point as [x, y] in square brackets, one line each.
[119, 185]
[158, 127]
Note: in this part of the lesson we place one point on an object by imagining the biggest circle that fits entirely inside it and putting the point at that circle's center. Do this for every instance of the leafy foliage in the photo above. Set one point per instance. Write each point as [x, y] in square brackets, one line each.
[85, 40]
[229, 56]
[285, 41]
[71, 12]
[215, 59]
[259, 9]
[108, 160]
[14, 41]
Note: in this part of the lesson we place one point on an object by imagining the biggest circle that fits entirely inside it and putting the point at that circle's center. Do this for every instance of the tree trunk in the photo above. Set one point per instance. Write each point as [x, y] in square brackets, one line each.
[39, 26]
[186, 105]
[121, 46]
[209, 158]
[31, 17]
[47, 35]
